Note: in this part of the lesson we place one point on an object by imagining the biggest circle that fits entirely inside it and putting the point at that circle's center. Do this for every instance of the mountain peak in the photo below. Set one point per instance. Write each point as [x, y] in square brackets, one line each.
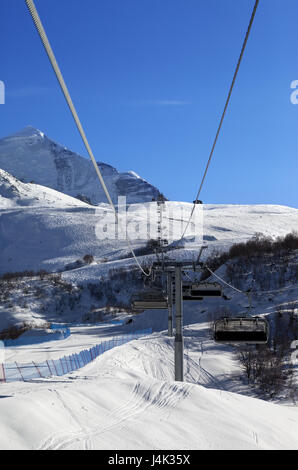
[28, 131]
[30, 155]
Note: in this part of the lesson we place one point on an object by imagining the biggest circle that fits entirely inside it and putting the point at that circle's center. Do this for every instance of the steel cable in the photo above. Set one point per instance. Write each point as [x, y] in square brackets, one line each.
[41, 31]
[224, 112]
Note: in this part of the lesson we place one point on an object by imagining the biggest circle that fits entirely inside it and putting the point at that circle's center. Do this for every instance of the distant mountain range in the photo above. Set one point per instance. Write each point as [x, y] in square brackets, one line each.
[31, 156]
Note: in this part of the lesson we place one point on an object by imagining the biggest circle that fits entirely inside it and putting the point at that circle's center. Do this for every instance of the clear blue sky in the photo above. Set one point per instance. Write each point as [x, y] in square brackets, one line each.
[149, 79]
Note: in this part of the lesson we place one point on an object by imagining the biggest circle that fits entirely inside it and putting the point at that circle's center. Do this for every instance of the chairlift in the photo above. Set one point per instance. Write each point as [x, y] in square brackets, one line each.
[150, 300]
[197, 291]
[206, 290]
[186, 293]
[153, 304]
[248, 330]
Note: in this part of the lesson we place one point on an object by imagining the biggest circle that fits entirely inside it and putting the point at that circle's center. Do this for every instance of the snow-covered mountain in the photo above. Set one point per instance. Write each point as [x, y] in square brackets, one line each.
[14, 193]
[30, 155]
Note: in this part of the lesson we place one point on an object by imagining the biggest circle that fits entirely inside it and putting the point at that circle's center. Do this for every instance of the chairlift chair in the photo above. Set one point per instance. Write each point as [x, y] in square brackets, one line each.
[206, 289]
[154, 304]
[197, 291]
[150, 300]
[247, 330]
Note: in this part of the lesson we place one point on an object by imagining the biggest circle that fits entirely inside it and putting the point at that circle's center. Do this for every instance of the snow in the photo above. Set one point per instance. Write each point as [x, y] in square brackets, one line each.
[133, 173]
[128, 399]
[15, 194]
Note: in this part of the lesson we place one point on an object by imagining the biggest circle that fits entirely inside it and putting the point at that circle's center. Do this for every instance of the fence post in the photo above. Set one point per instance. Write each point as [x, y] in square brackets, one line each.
[55, 368]
[36, 369]
[85, 357]
[3, 379]
[81, 358]
[66, 358]
[49, 368]
[77, 361]
[62, 366]
[19, 369]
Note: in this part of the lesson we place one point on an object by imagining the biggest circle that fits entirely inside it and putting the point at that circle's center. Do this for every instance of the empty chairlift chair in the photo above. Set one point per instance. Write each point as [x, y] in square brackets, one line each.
[150, 300]
[247, 330]
[207, 289]
[198, 290]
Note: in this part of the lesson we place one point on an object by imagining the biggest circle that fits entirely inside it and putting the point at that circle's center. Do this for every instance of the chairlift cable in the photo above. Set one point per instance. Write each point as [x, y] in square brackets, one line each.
[222, 280]
[223, 114]
[41, 31]
[251, 292]
[275, 290]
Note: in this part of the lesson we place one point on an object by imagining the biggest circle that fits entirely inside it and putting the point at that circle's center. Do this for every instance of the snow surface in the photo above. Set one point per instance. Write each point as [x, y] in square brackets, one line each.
[15, 194]
[128, 399]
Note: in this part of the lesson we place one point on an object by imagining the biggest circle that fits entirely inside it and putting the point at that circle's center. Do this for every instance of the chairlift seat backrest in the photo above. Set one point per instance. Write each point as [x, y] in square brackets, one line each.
[149, 300]
[157, 304]
[249, 330]
[197, 290]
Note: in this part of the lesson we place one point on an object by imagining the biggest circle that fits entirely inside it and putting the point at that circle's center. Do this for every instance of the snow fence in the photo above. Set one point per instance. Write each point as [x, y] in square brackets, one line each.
[13, 371]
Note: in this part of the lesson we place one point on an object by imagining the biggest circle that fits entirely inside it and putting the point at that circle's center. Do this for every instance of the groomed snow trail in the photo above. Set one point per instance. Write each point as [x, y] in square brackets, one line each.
[128, 399]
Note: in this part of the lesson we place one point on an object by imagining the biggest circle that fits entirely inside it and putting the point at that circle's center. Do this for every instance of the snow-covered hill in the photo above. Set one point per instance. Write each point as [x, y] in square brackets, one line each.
[41, 228]
[14, 194]
[30, 155]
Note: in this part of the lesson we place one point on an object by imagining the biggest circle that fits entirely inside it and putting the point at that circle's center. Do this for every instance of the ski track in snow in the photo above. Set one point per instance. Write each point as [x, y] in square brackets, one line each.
[142, 399]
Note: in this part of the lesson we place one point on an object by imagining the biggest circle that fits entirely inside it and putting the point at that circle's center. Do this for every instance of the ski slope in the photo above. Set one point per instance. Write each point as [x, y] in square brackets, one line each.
[128, 399]
[41, 228]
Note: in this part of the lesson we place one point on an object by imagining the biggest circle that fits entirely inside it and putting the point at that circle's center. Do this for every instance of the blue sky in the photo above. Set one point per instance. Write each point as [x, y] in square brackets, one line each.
[150, 78]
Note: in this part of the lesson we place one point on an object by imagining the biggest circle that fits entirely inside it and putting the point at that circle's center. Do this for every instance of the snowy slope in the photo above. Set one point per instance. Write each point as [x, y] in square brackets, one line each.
[30, 155]
[15, 194]
[127, 399]
[42, 228]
